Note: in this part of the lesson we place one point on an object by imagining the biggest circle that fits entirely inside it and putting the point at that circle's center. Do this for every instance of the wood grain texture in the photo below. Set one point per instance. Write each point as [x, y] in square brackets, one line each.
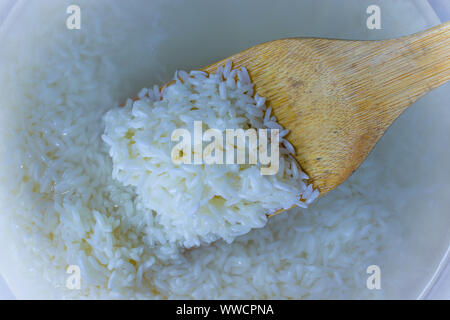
[339, 97]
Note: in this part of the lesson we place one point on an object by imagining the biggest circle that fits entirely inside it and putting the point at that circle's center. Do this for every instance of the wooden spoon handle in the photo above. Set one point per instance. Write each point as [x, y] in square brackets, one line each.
[395, 73]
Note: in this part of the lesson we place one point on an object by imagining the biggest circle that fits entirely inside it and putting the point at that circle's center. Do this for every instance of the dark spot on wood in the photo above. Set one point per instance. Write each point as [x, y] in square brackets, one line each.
[295, 84]
[318, 159]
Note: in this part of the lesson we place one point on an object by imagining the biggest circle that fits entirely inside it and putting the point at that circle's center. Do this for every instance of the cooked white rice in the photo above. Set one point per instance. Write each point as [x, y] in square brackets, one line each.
[197, 204]
[61, 205]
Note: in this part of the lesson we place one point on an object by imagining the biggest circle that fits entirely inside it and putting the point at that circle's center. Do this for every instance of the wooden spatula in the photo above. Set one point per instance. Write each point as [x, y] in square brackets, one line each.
[339, 97]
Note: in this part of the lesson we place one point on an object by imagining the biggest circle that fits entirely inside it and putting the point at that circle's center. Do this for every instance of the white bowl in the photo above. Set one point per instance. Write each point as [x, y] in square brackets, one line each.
[345, 20]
